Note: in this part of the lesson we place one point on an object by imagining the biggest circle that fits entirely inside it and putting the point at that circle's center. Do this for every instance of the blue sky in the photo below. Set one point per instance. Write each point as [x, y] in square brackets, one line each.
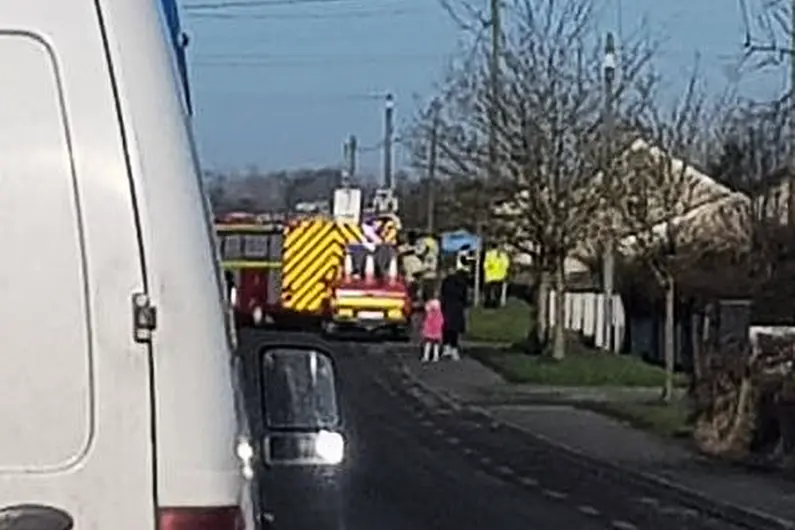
[282, 85]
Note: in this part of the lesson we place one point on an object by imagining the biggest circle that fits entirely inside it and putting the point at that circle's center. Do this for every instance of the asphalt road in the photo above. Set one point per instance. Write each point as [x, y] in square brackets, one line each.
[413, 466]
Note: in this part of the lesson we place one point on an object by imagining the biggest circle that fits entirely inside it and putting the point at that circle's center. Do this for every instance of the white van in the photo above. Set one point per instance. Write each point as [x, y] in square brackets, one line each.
[117, 404]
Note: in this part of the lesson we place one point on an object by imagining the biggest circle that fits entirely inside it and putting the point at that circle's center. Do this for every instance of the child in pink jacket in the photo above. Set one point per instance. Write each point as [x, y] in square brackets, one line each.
[432, 326]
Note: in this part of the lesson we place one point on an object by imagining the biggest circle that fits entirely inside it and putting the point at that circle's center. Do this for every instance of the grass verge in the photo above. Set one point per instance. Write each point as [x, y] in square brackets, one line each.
[668, 420]
[590, 368]
[509, 324]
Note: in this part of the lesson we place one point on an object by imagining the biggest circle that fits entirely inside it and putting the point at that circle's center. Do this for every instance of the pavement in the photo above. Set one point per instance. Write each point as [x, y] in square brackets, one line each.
[420, 459]
[543, 415]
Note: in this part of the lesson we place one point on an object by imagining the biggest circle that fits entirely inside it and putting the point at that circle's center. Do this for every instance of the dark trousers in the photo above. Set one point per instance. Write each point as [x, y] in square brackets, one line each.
[427, 288]
[493, 294]
[450, 337]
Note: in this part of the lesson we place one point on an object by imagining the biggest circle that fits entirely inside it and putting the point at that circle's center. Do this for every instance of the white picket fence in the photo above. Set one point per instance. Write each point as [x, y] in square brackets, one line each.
[584, 313]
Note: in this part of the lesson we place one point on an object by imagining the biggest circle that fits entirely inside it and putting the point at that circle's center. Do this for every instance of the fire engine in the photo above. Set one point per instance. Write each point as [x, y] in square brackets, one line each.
[330, 270]
[250, 248]
[371, 294]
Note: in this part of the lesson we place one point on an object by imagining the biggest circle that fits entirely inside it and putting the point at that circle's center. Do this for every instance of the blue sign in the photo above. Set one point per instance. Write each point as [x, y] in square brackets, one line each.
[458, 240]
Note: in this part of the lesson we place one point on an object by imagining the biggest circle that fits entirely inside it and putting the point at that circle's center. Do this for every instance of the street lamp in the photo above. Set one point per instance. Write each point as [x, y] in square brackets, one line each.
[608, 265]
[610, 61]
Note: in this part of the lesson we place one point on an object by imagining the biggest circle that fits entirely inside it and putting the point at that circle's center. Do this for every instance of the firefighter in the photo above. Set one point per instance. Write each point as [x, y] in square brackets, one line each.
[411, 266]
[495, 274]
[428, 252]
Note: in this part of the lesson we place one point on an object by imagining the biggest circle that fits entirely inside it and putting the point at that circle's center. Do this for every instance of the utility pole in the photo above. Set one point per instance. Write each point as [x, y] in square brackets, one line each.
[352, 150]
[435, 107]
[791, 182]
[494, 113]
[389, 112]
[608, 265]
[494, 70]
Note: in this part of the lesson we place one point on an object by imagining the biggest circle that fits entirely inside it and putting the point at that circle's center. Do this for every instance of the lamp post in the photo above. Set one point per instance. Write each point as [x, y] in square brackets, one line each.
[608, 265]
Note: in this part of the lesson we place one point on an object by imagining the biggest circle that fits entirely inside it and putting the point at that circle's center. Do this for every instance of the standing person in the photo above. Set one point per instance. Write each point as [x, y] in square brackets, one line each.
[453, 294]
[432, 330]
[496, 263]
[492, 283]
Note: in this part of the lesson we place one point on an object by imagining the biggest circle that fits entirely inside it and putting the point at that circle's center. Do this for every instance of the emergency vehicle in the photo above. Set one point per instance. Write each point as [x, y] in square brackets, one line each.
[286, 269]
[250, 250]
[371, 294]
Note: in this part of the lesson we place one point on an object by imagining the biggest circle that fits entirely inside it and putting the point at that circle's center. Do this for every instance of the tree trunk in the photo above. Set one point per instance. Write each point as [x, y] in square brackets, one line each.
[697, 347]
[559, 346]
[670, 341]
[542, 303]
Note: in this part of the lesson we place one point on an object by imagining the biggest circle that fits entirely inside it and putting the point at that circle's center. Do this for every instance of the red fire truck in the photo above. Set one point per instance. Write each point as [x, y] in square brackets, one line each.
[250, 250]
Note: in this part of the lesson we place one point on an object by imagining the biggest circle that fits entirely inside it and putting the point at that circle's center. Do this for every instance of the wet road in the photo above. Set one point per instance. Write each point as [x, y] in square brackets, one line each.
[417, 466]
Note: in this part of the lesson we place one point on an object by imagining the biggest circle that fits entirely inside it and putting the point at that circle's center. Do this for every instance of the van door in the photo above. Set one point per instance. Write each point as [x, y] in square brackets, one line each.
[75, 402]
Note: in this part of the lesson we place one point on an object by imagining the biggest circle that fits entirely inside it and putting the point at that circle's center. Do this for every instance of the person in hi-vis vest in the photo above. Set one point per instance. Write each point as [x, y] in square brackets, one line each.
[495, 275]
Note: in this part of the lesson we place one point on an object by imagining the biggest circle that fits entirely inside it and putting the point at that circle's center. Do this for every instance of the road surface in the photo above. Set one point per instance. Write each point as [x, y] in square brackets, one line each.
[412, 466]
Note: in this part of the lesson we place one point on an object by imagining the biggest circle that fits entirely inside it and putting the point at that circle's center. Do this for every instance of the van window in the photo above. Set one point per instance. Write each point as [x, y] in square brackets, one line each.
[45, 371]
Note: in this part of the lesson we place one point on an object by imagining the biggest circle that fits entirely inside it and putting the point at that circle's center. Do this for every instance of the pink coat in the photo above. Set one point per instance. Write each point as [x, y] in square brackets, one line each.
[434, 321]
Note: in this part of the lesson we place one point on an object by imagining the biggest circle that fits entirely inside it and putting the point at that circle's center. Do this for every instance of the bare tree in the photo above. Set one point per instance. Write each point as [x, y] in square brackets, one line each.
[755, 161]
[768, 31]
[669, 205]
[547, 190]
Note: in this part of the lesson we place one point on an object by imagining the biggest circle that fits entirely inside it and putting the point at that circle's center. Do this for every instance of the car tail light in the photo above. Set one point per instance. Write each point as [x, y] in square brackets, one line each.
[207, 518]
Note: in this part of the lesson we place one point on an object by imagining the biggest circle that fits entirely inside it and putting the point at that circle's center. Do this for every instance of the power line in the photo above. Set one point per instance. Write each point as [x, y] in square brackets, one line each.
[311, 60]
[305, 16]
[255, 3]
[304, 98]
[259, 56]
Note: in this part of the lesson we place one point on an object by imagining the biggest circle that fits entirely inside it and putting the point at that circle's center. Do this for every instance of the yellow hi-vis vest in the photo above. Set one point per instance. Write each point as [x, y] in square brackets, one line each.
[495, 266]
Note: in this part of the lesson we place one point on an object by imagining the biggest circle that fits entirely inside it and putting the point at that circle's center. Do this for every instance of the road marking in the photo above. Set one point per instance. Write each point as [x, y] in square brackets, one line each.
[426, 423]
[623, 525]
[529, 481]
[649, 500]
[555, 494]
[679, 510]
[438, 432]
[469, 451]
[453, 440]
[588, 510]
[485, 460]
[505, 470]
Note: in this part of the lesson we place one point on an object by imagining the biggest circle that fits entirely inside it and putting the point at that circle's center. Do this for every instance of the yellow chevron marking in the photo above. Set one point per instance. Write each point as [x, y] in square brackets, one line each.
[316, 237]
[312, 300]
[296, 237]
[310, 258]
[314, 265]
